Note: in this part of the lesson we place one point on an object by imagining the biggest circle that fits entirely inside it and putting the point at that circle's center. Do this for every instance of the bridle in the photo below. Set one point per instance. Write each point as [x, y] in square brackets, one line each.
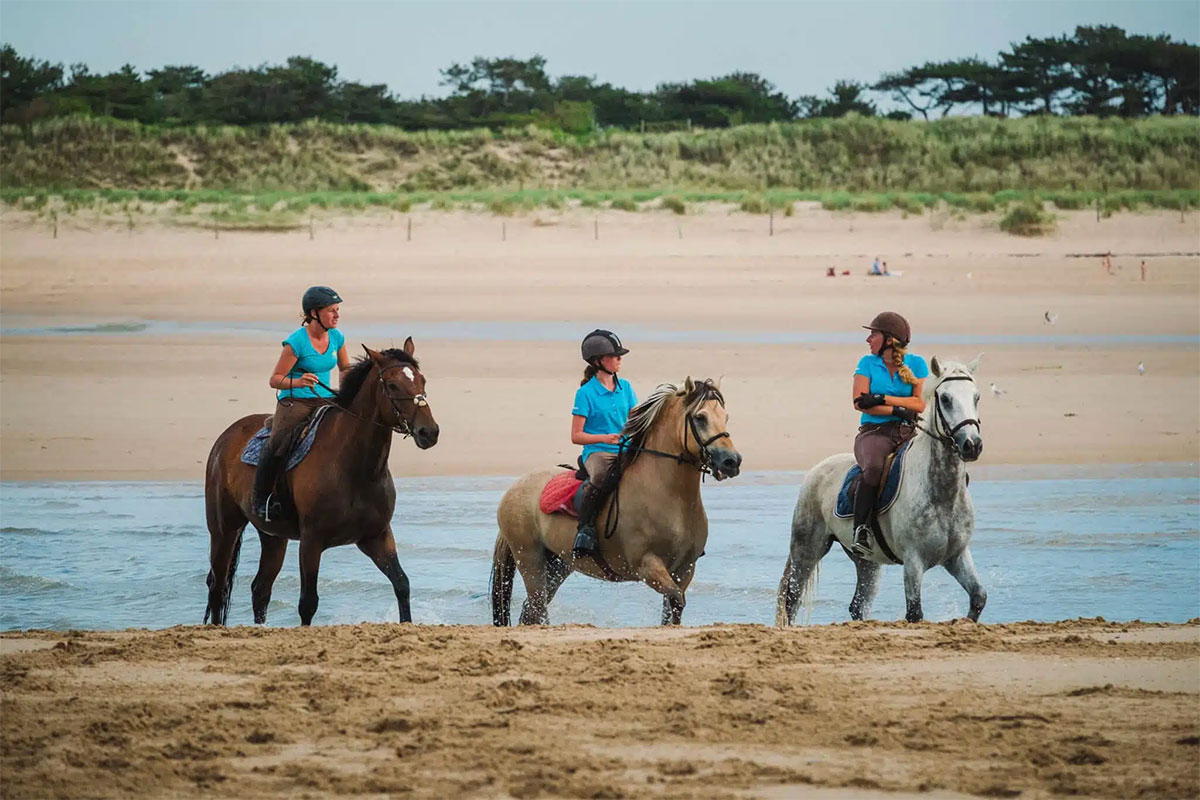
[940, 420]
[402, 426]
[702, 462]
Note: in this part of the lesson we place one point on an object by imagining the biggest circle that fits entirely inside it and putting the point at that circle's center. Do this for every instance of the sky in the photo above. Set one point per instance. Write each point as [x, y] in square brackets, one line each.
[801, 47]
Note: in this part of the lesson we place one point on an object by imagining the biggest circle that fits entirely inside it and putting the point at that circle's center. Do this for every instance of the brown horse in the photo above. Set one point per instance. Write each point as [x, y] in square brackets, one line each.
[342, 491]
[655, 523]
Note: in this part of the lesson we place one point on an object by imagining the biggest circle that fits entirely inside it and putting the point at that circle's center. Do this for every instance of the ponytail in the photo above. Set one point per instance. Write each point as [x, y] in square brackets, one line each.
[898, 352]
[588, 374]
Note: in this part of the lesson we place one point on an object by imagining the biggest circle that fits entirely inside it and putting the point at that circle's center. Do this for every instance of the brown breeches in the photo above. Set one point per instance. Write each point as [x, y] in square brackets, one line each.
[873, 445]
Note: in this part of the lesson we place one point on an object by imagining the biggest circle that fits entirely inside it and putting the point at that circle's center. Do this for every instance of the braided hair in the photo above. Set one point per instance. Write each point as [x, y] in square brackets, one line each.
[898, 352]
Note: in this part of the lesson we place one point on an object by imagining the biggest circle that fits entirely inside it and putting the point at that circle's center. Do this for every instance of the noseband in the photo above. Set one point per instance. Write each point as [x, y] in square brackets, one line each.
[940, 418]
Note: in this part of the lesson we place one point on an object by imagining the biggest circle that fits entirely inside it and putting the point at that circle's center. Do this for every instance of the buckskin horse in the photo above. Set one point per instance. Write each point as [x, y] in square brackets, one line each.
[653, 527]
[929, 524]
[342, 492]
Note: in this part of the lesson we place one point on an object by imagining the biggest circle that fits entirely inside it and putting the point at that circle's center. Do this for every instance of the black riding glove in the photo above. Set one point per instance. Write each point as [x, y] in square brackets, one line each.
[866, 401]
[905, 414]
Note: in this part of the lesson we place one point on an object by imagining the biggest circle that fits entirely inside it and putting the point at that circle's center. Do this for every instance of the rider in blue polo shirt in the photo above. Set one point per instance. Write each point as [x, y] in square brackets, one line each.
[887, 390]
[302, 377]
[602, 404]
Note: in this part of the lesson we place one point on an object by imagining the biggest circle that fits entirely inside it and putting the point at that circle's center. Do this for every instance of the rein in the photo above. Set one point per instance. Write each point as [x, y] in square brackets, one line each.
[940, 417]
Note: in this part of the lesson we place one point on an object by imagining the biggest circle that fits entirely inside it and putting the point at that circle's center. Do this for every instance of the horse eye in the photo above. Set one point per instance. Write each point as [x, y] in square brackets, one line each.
[702, 417]
[945, 401]
[977, 397]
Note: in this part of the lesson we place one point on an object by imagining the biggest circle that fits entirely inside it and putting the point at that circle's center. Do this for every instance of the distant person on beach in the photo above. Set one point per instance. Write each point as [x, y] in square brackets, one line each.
[885, 269]
[602, 405]
[887, 390]
[302, 377]
[1108, 263]
[875, 268]
[1143, 269]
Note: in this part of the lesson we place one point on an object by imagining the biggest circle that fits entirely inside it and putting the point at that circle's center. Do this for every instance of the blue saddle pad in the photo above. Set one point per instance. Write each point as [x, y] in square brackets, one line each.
[253, 449]
[891, 487]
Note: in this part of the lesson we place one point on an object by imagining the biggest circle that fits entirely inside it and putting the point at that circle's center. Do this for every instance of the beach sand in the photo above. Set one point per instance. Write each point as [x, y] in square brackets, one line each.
[859, 710]
[148, 406]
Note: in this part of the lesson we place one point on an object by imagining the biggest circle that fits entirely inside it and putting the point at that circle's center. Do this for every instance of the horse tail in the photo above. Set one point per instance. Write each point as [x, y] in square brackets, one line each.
[504, 569]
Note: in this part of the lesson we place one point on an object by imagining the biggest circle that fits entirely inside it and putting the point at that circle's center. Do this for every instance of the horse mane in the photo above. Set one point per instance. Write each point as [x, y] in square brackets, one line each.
[645, 414]
[948, 368]
[357, 375]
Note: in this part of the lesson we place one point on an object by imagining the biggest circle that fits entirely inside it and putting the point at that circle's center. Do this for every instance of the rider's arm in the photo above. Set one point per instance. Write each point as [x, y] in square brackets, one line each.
[279, 377]
[862, 385]
[579, 437]
[915, 403]
[343, 364]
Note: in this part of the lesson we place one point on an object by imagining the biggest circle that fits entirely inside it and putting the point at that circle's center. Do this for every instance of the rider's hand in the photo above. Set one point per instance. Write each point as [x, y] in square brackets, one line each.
[308, 380]
[612, 438]
[906, 414]
[865, 401]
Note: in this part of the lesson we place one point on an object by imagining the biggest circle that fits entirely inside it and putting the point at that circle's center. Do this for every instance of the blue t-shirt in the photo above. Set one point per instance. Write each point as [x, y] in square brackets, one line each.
[309, 360]
[603, 411]
[884, 383]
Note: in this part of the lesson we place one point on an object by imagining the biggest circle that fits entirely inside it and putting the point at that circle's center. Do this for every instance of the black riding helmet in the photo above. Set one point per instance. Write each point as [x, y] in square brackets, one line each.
[318, 297]
[601, 343]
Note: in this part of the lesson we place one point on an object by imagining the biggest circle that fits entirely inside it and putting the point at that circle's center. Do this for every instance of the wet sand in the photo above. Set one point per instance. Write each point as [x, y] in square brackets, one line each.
[1032, 710]
[149, 406]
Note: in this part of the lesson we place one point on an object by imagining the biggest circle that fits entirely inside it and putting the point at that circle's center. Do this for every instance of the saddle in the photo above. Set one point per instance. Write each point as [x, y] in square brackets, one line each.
[560, 495]
[889, 488]
[297, 446]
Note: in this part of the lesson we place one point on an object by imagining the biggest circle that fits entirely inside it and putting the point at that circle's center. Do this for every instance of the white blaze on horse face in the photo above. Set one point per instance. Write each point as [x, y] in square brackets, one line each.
[408, 373]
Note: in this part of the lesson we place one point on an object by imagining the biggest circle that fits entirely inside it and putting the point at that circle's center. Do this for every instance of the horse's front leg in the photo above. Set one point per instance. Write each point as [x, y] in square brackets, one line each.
[656, 575]
[914, 571]
[867, 587]
[382, 550]
[962, 567]
[274, 548]
[310, 565]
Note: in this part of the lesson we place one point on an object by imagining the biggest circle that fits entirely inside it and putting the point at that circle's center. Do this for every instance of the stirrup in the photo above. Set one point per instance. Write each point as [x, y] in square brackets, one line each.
[864, 541]
[269, 505]
[585, 542]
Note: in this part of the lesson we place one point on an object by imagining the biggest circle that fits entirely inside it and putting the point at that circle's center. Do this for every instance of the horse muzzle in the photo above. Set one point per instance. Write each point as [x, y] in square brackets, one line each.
[724, 463]
[970, 447]
[426, 436]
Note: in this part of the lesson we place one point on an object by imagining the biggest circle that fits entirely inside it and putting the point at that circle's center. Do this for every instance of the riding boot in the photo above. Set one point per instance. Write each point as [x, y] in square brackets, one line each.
[864, 509]
[589, 508]
[266, 504]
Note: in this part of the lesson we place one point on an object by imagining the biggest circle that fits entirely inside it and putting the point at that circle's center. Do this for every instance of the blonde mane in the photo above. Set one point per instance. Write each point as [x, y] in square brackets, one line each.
[645, 414]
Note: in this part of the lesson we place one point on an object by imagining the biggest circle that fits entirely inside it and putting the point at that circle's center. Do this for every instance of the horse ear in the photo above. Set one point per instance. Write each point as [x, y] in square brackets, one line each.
[974, 365]
[689, 385]
[409, 347]
[372, 354]
[935, 367]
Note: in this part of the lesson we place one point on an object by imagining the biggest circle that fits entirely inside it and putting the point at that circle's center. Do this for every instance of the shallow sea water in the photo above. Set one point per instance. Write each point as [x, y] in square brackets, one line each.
[1118, 542]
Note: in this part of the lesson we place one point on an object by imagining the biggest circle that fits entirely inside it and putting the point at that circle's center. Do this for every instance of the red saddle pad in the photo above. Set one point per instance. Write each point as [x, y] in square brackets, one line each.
[558, 496]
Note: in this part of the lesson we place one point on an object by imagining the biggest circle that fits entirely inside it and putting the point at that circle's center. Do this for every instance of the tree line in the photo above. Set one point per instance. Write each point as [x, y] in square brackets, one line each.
[1099, 70]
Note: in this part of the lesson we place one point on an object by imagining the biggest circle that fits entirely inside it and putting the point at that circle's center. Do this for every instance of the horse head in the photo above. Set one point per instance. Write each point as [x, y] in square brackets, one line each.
[705, 436]
[400, 395]
[954, 397]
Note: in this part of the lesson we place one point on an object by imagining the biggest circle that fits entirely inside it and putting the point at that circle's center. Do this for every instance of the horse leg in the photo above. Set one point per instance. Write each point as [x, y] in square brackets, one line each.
[557, 572]
[672, 612]
[310, 565]
[531, 563]
[962, 567]
[799, 574]
[225, 540]
[865, 589]
[656, 575]
[914, 571]
[270, 561]
[382, 550]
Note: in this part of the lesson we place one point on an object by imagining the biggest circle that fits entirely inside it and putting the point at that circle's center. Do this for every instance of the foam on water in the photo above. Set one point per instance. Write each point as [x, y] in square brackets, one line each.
[1122, 543]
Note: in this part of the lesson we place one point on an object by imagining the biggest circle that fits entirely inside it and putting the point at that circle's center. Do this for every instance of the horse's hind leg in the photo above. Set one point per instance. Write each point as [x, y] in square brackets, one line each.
[225, 527]
[382, 550]
[270, 561]
[531, 563]
[962, 567]
[865, 588]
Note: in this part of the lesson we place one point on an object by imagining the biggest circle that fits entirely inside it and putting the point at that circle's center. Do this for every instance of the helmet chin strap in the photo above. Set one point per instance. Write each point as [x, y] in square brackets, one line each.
[599, 365]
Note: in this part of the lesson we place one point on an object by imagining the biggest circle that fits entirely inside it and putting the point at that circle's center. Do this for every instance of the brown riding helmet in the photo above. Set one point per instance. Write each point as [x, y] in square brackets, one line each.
[892, 324]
